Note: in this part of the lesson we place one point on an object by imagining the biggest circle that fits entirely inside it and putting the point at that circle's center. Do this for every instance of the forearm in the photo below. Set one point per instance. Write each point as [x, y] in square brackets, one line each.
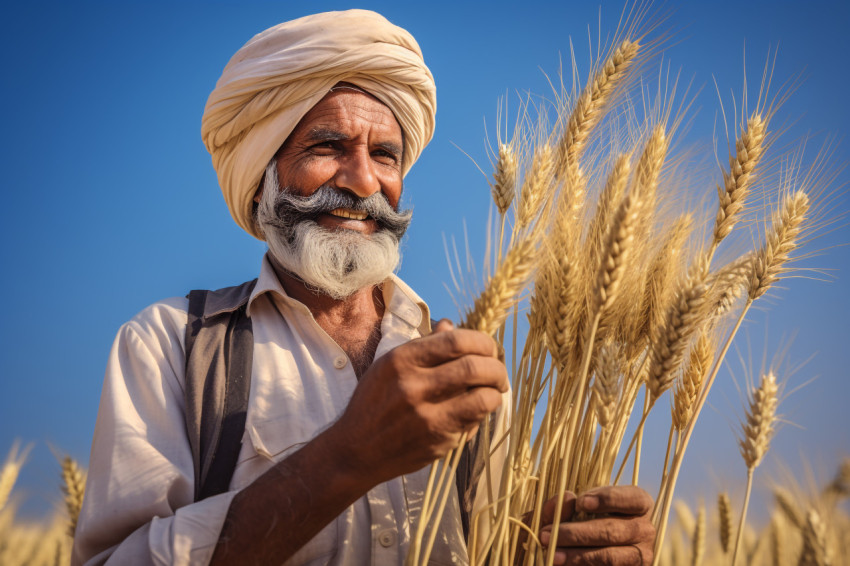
[288, 505]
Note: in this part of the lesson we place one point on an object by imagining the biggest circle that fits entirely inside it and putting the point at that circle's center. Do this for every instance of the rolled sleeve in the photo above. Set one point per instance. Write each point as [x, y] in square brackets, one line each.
[139, 503]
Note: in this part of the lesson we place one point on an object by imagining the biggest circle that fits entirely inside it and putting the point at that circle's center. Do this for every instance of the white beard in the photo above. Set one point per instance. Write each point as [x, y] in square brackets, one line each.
[335, 262]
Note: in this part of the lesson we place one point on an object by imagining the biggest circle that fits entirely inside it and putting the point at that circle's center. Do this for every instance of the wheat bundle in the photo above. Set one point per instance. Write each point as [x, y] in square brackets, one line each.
[623, 295]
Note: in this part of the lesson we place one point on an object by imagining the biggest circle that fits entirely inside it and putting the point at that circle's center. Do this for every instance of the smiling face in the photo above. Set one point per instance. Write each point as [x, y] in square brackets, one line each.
[349, 141]
[328, 208]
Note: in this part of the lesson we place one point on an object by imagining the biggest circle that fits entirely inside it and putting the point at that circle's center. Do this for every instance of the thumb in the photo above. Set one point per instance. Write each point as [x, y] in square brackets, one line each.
[445, 325]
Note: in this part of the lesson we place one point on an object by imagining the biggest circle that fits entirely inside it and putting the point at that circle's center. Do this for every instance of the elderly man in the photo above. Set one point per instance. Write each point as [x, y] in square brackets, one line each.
[350, 392]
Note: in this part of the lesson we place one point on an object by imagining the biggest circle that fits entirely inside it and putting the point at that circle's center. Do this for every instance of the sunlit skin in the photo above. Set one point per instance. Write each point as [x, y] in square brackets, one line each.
[350, 141]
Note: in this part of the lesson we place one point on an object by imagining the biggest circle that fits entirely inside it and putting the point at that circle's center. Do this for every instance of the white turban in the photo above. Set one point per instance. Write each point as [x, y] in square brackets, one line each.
[281, 73]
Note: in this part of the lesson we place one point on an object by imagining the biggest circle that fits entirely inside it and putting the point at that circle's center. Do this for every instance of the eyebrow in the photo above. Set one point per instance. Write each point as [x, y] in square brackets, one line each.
[320, 134]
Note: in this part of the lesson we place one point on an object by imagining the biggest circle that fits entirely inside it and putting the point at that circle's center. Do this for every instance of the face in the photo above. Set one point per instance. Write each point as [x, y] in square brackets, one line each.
[349, 141]
[328, 208]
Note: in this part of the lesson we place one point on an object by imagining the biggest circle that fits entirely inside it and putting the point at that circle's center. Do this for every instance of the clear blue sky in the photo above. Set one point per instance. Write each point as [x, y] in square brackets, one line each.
[110, 201]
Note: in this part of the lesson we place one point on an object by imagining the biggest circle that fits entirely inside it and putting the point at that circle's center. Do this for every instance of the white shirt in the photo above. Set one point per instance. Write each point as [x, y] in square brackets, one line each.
[139, 508]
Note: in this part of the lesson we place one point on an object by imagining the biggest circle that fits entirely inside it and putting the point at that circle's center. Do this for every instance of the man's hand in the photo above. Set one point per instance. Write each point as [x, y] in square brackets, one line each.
[413, 404]
[622, 533]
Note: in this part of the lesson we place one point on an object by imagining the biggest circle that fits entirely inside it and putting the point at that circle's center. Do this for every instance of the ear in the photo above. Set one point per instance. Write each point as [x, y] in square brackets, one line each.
[259, 194]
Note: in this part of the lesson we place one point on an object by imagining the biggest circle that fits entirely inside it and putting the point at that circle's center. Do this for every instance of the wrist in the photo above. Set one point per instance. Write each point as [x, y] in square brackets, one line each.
[346, 456]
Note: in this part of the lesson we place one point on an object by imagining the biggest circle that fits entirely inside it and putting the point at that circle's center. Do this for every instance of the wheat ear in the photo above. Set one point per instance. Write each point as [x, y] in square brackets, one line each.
[768, 263]
[592, 101]
[503, 187]
[758, 428]
[699, 364]
[669, 343]
[729, 283]
[609, 199]
[815, 551]
[840, 485]
[787, 504]
[493, 305]
[11, 468]
[755, 440]
[74, 487]
[737, 181]
[724, 512]
[698, 548]
[536, 185]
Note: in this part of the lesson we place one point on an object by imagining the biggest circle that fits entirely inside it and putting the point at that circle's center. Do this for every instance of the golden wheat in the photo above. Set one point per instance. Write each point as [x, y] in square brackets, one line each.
[736, 182]
[504, 178]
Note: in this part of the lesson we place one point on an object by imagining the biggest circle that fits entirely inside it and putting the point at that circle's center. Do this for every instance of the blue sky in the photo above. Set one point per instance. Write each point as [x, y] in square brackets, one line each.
[111, 202]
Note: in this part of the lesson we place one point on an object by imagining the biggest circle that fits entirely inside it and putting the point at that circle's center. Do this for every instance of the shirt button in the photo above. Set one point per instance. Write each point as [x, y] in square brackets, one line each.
[386, 538]
[340, 362]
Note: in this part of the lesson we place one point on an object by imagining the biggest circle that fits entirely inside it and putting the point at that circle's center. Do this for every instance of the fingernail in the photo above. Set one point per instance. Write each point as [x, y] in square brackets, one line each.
[589, 502]
[545, 537]
[560, 557]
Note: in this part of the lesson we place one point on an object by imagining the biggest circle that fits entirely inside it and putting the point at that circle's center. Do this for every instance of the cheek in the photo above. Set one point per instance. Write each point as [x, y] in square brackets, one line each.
[392, 189]
[305, 175]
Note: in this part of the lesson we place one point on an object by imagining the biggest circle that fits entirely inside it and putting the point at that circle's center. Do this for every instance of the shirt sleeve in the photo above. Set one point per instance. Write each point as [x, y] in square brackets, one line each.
[138, 506]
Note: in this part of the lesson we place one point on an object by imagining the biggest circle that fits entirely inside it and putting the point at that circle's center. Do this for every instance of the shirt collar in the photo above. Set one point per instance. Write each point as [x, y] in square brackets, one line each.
[399, 298]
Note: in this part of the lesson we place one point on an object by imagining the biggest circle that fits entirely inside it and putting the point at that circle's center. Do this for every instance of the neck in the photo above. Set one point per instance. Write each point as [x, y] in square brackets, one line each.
[354, 323]
[363, 305]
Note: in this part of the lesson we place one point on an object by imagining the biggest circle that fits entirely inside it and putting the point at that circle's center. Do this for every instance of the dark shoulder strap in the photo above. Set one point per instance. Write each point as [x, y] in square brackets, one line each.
[219, 350]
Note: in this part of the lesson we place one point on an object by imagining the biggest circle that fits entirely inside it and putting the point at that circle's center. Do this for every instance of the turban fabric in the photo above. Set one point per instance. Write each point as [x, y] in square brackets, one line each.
[281, 73]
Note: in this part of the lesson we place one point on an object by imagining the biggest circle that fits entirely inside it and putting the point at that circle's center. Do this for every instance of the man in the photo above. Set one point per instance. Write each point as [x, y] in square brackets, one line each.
[312, 127]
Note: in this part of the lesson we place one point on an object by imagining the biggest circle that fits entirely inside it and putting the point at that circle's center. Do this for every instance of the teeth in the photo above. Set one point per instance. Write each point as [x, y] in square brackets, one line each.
[348, 213]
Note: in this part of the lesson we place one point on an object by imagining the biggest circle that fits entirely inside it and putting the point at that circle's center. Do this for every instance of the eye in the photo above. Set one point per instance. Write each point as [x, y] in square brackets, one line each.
[385, 156]
[324, 148]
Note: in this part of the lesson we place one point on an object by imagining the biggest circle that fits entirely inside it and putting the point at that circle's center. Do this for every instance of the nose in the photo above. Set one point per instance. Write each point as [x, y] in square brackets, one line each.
[356, 173]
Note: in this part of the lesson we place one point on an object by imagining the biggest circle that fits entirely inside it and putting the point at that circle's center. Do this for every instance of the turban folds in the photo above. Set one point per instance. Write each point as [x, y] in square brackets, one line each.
[281, 73]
